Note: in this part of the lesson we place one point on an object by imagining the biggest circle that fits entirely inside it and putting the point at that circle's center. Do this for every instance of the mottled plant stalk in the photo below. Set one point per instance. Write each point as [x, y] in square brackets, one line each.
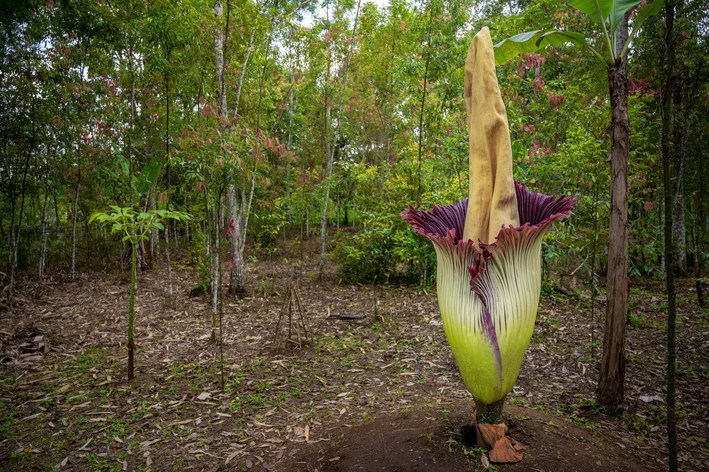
[131, 313]
[489, 413]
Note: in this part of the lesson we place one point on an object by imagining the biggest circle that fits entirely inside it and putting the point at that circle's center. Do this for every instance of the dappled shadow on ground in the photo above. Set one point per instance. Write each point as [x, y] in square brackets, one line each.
[66, 403]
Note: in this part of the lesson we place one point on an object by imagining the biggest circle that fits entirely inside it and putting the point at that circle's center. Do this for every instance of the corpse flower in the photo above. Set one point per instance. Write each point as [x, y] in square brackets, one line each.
[488, 248]
[489, 296]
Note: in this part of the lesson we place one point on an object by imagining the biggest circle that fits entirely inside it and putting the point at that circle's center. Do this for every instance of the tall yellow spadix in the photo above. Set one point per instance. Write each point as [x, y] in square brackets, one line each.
[492, 199]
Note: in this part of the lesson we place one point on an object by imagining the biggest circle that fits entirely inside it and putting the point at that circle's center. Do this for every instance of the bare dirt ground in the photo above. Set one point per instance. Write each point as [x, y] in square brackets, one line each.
[379, 393]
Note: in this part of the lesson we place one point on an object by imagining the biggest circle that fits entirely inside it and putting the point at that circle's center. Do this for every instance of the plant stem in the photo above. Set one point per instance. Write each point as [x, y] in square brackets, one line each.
[131, 313]
[490, 414]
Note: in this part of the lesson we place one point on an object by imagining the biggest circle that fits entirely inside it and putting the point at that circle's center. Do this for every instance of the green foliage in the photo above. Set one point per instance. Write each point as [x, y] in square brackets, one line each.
[607, 13]
[134, 225]
[147, 177]
[268, 227]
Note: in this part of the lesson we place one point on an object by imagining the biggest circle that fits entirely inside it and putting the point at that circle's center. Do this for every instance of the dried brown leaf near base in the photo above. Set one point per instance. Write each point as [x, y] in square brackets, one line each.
[502, 448]
[507, 449]
[489, 434]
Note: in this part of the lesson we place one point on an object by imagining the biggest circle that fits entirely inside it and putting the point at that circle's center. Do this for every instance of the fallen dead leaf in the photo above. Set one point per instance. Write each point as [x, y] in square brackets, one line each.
[484, 461]
[507, 450]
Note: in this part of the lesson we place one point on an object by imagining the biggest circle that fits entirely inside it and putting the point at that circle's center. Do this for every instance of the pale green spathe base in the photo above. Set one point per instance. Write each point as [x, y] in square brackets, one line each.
[510, 286]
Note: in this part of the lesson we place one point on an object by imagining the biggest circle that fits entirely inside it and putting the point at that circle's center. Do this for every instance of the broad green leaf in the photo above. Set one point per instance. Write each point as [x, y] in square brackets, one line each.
[147, 177]
[612, 11]
[532, 41]
[158, 225]
[98, 214]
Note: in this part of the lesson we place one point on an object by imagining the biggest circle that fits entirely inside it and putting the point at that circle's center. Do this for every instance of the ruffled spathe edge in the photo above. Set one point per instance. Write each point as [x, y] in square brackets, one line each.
[444, 225]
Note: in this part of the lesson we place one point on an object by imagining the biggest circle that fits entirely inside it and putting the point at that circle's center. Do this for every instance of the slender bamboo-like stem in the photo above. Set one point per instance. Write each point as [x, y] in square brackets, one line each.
[73, 228]
[669, 249]
[131, 312]
[45, 231]
[593, 268]
[221, 333]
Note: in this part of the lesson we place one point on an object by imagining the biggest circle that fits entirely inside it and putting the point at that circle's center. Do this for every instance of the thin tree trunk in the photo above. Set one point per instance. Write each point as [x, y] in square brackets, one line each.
[289, 215]
[235, 213]
[151, 204]
[131, 313]
[669, 253]
[240, 230]
[45, 230]
[331, 157]
[422, 277]
[210, 254]
[167, 182]
[697, 262]
[421, 113]
[73, 227]
[16, 230]
[679, 232]
[243, 73]
[56, 209]
[215, 277]
[129, 141]
[187, 222]
[612, 375]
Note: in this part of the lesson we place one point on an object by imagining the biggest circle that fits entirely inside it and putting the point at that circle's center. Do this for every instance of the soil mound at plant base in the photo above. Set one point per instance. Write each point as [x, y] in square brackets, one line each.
[435, 440]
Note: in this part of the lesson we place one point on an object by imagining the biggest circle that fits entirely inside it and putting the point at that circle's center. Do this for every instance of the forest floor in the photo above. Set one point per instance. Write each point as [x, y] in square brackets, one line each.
[378, 393]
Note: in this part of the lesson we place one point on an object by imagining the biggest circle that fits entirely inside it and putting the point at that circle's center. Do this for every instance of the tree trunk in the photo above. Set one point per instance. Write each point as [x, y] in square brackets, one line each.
[16, 230]
[131, 313]
[167, 185]
[154, 234]
[73, 226]
[237, 285]
[243, 72]
[331, 157]
[679, 137]
[215, 272]
[219, 61]
[612, 375]
[669, 253]
[289, 215]
[45, 230]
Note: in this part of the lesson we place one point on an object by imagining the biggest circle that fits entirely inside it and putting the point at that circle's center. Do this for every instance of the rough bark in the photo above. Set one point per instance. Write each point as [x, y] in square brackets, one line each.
[612, 375]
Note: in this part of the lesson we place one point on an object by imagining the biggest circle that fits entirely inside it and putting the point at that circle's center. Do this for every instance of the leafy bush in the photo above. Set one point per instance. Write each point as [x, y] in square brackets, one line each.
[268, 227]
[385, 254]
